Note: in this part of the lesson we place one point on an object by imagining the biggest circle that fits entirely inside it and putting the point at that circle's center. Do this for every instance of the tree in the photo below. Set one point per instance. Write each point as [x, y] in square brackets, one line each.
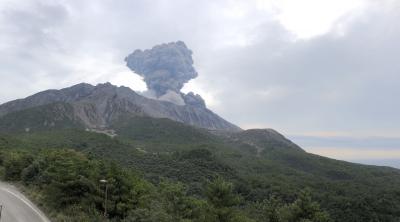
[221, 196]
[271, 209]
[15, 163]
[304, 209]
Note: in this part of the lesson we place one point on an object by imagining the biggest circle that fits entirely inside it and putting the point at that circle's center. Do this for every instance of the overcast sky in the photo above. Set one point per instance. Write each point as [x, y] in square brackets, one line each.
[319, 71]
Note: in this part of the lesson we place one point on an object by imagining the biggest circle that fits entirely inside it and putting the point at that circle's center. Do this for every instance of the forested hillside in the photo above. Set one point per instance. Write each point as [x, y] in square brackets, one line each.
[67, 184]
[180, 170]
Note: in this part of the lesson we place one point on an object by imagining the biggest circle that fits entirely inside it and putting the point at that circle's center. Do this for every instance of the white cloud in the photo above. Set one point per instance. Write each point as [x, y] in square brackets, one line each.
[310, 18]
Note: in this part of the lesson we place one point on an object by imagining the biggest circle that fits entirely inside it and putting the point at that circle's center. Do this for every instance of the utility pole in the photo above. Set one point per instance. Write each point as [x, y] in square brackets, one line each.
[105, 196]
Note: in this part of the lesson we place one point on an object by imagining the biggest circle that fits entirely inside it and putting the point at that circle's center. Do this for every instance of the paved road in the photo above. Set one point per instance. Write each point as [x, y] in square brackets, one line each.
[17, 208]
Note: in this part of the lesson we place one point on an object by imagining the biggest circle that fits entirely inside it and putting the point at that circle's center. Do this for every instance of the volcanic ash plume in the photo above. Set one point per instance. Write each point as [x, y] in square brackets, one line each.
[165, 68]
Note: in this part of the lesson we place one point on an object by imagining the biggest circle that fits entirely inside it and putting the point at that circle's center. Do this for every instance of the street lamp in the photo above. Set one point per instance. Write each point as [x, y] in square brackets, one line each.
[105, 196]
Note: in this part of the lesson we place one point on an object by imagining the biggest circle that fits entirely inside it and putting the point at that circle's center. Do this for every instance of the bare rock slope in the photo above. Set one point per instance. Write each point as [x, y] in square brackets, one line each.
[98, 106]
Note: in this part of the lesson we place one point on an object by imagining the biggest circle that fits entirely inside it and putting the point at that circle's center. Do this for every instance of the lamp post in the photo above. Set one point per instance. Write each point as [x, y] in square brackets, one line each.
[103, 181]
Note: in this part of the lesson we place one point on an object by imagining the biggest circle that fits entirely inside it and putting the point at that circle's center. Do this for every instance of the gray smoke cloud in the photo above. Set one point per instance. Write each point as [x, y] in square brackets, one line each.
[165, 68]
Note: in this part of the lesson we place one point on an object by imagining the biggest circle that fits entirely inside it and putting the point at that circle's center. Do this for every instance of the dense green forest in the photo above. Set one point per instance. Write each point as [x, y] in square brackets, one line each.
[161, 170]
[67, 185]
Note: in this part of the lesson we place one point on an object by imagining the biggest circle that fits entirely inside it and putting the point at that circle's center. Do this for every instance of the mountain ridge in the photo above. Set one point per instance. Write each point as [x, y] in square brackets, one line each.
[97, 106]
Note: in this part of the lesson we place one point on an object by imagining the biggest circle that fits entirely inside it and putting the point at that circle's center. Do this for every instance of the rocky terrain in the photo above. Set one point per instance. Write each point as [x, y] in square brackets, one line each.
[96, 107]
